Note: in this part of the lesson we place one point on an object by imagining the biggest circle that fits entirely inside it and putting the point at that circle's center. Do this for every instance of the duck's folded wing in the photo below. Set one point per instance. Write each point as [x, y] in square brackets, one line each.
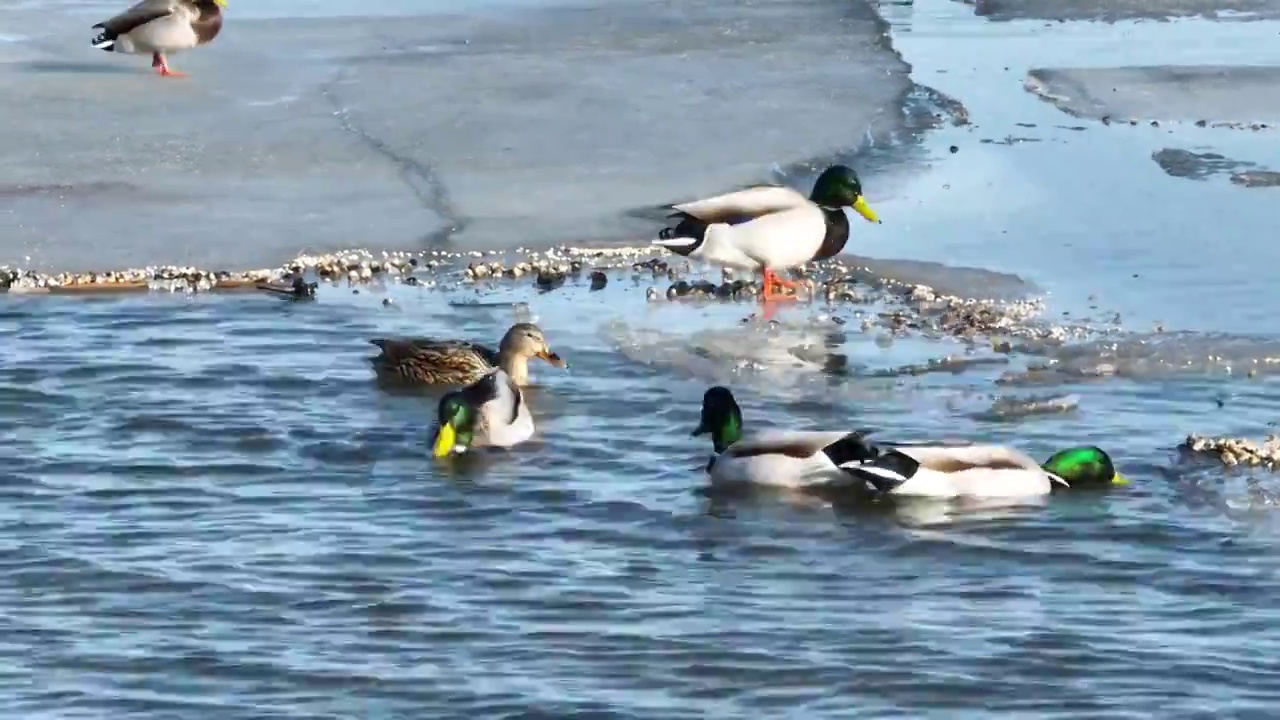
[958, 458]
[397, 349]
[400, 348]
[797, 444]
[743, 205]
[140, 14]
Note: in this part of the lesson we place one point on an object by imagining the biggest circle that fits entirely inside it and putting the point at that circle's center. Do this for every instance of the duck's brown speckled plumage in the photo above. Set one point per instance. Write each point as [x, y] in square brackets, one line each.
[428, 361]
[433, 362]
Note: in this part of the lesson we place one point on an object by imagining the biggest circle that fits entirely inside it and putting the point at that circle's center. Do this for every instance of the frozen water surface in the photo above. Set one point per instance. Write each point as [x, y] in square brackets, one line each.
[1113, 10]
[507, 125]
[1204, 93]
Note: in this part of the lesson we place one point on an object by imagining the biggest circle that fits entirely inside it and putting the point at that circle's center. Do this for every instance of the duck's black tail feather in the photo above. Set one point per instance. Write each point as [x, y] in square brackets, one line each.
[851, 448]
[105, 41]
[688, 235]
[885, 472]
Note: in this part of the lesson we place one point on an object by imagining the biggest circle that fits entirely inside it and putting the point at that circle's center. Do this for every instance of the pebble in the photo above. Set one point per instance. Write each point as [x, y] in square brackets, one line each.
[1236, 451]
[919, 308]
[549, 279]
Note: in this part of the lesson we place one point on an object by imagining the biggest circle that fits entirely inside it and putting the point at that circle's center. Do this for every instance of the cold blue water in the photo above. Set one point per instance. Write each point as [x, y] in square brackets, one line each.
[210, 509]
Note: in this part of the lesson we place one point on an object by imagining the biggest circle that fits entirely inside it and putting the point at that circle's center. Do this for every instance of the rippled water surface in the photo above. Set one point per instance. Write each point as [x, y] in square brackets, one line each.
[210, 509]
[216, 510]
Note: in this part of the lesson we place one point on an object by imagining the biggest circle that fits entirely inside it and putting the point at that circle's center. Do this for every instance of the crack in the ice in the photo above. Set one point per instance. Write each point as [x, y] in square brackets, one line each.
[421, 179]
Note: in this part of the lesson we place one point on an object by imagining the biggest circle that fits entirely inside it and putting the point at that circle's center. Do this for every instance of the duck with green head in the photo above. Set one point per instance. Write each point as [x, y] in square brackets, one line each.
[491, 412]
[777, 458]
[770, 227]
[980, 471]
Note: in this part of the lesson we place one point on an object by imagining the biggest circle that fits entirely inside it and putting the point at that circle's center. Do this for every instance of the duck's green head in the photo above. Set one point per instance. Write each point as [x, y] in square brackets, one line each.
[839, 186]
[458, 412]
[1085, 467]
[455, 425]
[721, 417]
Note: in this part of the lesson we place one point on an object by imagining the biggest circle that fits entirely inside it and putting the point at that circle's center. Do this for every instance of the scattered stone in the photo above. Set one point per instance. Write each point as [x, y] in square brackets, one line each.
[549, 279]
[904, 308]
[1236, 451]
[298, 289]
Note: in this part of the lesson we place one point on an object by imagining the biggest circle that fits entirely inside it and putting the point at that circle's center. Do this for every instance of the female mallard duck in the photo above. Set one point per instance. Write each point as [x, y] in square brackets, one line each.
[778, 458]
[159, 27]
[770, 227]
[490, 412]
[979, 471]
[457, 362]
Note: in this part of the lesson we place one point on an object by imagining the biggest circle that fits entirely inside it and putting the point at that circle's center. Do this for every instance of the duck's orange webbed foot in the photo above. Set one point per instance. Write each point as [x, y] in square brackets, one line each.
[774, 286]
[162, 67]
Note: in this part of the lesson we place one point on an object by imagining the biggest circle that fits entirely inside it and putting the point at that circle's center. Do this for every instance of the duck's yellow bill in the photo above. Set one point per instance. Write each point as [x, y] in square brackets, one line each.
[865, 210]
[445, 439]
[223, 3]
[1119, 479]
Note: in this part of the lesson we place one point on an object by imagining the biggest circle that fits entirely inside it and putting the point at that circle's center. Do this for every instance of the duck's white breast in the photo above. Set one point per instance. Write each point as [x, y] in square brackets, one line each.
[781, 240]
[167, 34]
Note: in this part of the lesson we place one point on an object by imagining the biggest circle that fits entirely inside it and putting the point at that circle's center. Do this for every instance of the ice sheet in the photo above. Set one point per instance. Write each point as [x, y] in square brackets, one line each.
[1239, 95]
[1112, 10]
[495, 128]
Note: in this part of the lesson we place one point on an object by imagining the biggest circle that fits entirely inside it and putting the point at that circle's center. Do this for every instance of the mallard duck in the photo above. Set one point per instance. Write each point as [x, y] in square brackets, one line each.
[979, 471]
[457, 362]
[161, 27]
[778, 458]
[490, 412]
[770, 227]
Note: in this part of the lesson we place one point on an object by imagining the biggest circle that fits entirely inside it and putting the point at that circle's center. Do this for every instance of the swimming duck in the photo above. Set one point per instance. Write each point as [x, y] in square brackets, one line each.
[770, 227]
[980, 471]
[161, 27]
[457, 362]
[490, 412]
[779, 458]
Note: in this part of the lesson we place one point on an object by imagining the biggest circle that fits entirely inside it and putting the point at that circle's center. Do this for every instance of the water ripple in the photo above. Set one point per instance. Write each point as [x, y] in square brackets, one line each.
[209, 514]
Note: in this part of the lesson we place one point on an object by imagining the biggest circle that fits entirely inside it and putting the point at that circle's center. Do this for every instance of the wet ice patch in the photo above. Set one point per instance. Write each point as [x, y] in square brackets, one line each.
[1236, 96]
[1201, 166]
[1115, 10]
[1150, 357]
[281, 100]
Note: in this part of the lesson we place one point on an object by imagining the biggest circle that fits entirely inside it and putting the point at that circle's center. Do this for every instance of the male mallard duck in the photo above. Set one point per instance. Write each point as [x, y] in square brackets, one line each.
[490, 412]
[457, 362]
[770, 227]
[980, 471]
[780, 458]
[161, 26]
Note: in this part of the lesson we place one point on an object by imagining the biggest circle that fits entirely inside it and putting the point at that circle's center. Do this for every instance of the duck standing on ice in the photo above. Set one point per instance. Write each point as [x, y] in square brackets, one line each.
[770, 227]
[161, 27]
